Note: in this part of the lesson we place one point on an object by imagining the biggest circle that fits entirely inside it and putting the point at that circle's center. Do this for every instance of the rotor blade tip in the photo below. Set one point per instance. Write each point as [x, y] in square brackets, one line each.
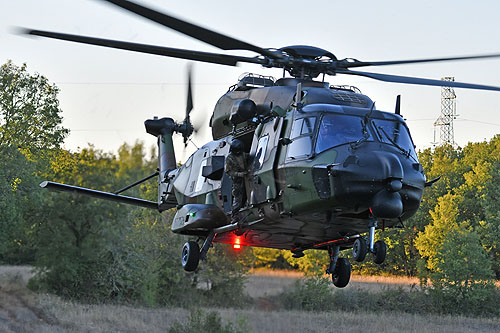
[20, 31]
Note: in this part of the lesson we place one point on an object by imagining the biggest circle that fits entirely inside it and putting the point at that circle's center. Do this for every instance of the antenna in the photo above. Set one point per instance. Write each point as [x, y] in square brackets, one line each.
[298, 97]
[448, 114]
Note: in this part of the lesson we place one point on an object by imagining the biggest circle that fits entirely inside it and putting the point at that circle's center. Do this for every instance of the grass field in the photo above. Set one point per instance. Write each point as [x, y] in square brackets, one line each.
[24, 311]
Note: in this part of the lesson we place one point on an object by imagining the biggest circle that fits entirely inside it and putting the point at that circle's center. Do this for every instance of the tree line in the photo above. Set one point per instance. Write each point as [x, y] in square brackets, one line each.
[95, 250]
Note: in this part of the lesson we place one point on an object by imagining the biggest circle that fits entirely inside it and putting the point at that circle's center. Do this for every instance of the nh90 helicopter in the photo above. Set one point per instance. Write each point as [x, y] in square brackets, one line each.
[326, 168]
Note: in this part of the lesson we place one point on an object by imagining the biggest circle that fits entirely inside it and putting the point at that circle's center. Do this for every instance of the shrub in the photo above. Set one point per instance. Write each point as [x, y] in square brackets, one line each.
[210, 322]
[313, 294]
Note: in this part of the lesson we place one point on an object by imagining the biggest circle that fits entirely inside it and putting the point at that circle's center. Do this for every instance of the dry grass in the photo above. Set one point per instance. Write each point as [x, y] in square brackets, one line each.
[262, 283]
[105, 318]
[23, 311]
[272, 282]
[381, 283]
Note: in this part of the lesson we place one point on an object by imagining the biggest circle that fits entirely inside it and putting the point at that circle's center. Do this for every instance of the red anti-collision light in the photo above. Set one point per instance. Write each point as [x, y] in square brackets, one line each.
[237, 244]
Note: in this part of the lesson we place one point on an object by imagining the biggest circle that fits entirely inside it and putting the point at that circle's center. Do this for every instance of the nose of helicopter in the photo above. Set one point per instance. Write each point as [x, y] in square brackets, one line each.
[381, 181]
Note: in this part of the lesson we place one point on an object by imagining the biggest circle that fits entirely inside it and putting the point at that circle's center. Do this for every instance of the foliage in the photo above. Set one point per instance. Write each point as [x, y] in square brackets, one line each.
[30, 130]
[312, 294]
[29, 110]
[72, 232]
[20, 197]
[262, 257]
[314, 263]
[210, 322]
[444, 219]
[463, 278]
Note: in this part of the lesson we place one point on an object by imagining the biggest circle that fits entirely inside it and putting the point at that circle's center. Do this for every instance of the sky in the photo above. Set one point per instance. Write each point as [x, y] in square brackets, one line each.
[107, 94]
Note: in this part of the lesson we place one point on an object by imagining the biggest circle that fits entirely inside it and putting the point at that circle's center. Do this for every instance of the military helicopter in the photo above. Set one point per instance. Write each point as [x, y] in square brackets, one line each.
[325, 170]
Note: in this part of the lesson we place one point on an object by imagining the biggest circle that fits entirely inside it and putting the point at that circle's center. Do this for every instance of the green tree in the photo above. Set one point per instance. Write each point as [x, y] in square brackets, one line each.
[72, 232]
[20, 198]
[489, 227]
[444, 219]
[30, 131]
[29, 110]
[462, 279]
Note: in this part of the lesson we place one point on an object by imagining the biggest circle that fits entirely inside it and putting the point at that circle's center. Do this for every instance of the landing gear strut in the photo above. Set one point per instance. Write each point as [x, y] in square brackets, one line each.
[340, 268]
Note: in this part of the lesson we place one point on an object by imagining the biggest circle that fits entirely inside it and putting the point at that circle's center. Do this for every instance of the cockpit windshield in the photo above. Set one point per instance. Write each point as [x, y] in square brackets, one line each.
[396, 133]
[337, 129]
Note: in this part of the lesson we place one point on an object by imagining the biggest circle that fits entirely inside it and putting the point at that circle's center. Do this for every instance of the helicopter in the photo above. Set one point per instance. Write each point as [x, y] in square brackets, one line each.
[326, 169]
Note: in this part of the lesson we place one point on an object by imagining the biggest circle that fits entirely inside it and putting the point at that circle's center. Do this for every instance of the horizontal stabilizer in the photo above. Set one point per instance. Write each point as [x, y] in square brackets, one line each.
[99, 194]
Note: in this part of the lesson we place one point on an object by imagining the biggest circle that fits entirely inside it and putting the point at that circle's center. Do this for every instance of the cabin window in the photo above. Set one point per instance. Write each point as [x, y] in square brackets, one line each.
[201, 180]
[261, 152]
[337, 129]
[301, 136]
[395, 132]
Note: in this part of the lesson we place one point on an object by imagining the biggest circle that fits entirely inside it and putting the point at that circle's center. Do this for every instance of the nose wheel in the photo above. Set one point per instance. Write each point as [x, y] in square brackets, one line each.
[362, 246]
[359, 249]
[379, 252]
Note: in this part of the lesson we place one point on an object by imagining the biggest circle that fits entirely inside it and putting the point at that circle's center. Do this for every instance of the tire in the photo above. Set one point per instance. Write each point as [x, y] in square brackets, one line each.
[190, 256]
[359, 249]
[342, 274]
[380, 251]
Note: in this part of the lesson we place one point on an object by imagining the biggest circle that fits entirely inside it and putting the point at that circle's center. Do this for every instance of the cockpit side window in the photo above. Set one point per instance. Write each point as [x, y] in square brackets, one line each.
[395, 132]
[308, 125]
[301, 136]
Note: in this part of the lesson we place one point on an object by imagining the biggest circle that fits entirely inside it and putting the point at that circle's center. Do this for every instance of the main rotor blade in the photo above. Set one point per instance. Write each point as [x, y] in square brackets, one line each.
[189, 103]
[205, 35]
[419, 81]
[215, 58]
[352, 63]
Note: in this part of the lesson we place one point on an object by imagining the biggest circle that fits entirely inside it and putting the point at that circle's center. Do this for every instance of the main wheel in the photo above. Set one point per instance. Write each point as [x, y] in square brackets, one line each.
[342, 273]
[359, 249]
[190, 256]
[380, 251]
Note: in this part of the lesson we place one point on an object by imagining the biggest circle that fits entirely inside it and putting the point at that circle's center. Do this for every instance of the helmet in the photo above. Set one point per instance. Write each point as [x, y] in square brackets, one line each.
[236, 147]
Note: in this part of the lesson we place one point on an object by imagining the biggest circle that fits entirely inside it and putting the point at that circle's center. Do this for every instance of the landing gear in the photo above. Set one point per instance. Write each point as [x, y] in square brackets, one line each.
[379, 252]
[379, 249]
[342, 273]
[190, 256]
[359, 249]
[191, 253]
[340, 268]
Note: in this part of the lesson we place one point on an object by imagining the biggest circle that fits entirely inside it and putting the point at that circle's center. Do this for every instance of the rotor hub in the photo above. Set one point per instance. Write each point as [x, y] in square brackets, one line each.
[306, 62]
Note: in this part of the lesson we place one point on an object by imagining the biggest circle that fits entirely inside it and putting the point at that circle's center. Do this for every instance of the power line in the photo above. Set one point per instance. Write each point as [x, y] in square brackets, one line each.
[479, 122]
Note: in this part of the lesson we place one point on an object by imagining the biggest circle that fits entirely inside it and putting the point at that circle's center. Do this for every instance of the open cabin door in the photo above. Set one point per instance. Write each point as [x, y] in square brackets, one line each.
[262, 167]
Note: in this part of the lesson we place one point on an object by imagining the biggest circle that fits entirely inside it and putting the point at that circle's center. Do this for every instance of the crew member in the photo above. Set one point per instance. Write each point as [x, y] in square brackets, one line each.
[236, 168]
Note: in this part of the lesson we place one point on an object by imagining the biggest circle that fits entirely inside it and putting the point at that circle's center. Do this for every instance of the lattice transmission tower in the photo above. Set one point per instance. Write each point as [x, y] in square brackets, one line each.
[448, 114]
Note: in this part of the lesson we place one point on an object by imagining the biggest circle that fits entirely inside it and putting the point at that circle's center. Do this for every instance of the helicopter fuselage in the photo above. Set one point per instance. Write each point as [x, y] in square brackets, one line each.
[318, 172]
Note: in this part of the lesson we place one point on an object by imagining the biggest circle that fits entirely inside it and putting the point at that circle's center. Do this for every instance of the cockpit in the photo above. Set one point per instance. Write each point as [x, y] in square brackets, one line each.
[313, 133]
